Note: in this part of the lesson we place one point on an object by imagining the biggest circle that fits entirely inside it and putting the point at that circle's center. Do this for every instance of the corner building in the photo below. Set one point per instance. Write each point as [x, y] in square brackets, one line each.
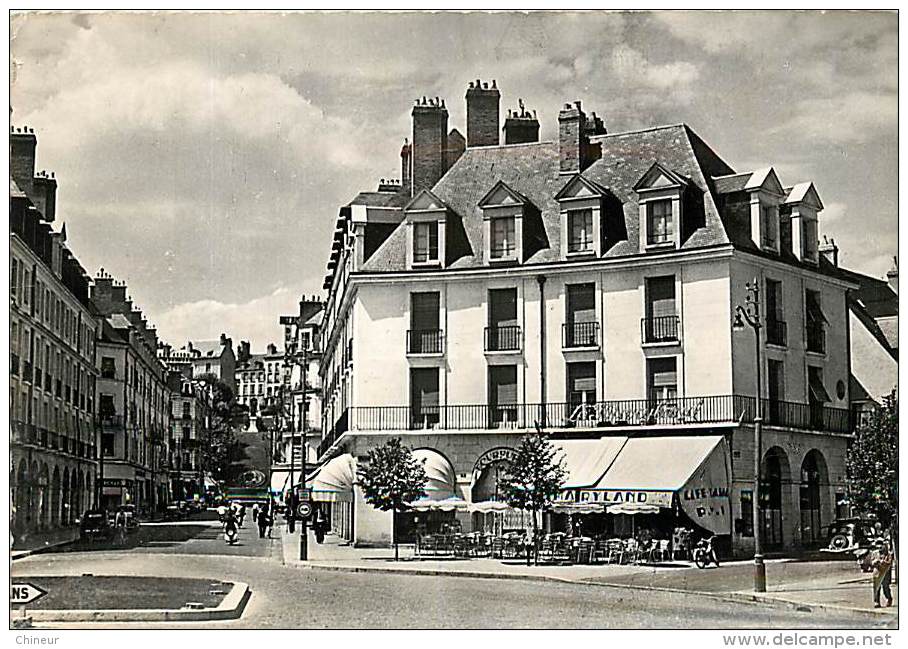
[589, 284]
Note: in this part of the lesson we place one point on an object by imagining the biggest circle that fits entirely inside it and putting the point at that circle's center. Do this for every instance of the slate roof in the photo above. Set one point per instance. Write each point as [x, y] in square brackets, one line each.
[876, 305]
[14, 191]
[381, 199]
[733, 183]
[208, 348]
[533, 170]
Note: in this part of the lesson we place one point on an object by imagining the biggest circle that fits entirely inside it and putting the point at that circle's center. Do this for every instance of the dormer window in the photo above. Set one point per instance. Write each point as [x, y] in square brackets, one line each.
[580, 231]
[425, 219]
[502, 224]
[659, 194]
[659, 223]
[425, 242]
[581, 216]
[503, 240]
[804, 204]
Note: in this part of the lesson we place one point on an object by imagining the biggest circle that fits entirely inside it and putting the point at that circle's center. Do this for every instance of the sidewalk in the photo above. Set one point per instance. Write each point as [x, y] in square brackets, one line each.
[813, 584]
[42, 541]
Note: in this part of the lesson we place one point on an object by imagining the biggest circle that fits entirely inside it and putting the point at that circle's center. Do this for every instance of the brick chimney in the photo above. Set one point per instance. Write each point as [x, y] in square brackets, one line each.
[521, 126]
[430, 141]
[572, 139]
[595, 125]
[482, 114]
[102, 292]
[22, 143]
[45, 195]
[456, 146]
[892, 275]
[406, 165]
[829, 251]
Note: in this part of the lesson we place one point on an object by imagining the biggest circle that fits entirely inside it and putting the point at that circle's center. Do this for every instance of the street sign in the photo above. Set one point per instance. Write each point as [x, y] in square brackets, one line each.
[24, 593]
[304, 510]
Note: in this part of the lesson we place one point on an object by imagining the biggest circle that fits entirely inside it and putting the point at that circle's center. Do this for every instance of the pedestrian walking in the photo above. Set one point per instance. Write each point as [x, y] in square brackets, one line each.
[264, 522]
[320, 525]
[882, 575]
[255, 514]
[242, 514]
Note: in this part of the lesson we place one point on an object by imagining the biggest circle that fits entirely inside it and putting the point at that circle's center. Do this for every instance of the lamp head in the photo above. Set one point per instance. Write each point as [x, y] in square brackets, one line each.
[738, 323]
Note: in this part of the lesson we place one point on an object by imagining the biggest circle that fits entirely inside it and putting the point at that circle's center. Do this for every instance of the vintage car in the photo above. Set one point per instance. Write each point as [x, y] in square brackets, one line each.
[848, 534]
[95, 525]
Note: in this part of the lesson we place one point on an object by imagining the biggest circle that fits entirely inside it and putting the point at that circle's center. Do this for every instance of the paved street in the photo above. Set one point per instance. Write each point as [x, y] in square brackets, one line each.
[352, 600]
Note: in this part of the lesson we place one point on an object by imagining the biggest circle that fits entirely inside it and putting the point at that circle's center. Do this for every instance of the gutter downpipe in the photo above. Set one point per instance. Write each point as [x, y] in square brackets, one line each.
[540, 279]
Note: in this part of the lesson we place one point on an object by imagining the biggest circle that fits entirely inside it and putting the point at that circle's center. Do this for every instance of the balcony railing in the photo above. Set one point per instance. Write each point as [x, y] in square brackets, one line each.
[816, 338]
[776, 332]
[660, 329]
[425, 341]
[502, 338]
[580, 334]
[600, 414]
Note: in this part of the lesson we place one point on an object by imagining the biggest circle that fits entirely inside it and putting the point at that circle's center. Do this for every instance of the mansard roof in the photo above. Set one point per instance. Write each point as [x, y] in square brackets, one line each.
[580, 187]
[658, 176]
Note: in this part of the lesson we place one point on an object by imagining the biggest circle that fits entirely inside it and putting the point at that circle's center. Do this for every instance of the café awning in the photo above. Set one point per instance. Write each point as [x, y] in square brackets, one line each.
[649, 471]
[441, 493]
[334, 481]
[586, 460]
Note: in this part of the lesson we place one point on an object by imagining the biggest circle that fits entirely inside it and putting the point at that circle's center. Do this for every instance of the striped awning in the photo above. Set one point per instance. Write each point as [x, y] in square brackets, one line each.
[334, 481]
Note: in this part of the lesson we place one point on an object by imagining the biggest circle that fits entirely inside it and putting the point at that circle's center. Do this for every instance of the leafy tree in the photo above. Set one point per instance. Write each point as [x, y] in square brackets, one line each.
[873, 462]
[534, 478]
[218, 445]
[391, 479]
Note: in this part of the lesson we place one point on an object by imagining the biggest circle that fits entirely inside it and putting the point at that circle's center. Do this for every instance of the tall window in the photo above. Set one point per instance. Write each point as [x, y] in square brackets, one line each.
[580, 230]
[502, 394]
[424, 396]
[775, 319]
[776, 389]
[425, 333]
[747, 513]
[810, 239]
[425, 242]
[581, 379]
[503, 332]
[661, 322]
[659, 222]
[504, 238]
[14, 278]
[816, 322]
[582, 328]
[662, 377]
[106, 406]
[816, 395]
[108, 368]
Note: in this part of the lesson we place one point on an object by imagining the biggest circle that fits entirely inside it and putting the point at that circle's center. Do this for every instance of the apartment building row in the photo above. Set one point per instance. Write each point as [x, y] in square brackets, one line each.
[588, 284]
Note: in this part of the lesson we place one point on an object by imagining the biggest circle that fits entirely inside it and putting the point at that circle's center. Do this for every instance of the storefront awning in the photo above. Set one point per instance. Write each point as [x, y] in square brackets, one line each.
[446, 505]
[279, 481]
[586, 460]
[441, 480]
[334, 481]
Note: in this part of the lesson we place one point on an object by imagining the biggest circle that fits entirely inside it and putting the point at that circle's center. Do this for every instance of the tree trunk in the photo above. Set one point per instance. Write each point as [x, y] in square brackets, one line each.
[535, 539]
[394, 533]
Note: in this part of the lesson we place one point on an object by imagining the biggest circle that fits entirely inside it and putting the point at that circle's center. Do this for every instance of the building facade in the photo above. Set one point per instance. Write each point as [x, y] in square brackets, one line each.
[203, 358]
[188, 426]
[53, 448]
[133, 402]
[259, 379]
[587, 284]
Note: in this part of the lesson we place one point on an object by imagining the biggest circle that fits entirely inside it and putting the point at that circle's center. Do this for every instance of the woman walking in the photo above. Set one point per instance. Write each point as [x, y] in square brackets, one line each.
[882, 575]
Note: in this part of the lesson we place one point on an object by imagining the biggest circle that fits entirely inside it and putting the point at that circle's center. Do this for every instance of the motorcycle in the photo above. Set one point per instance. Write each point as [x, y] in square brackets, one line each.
[705, 554]
[231, 536]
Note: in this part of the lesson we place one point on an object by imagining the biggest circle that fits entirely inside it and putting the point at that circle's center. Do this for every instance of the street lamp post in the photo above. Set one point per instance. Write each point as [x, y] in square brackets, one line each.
[750, 314]
[100, 480]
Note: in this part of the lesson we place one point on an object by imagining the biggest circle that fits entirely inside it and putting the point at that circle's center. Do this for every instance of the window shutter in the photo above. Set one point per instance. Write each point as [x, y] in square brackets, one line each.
[661, 294]
[582, 303]
[663, 372]
[424, 314]
[503, 307]
[503, 384]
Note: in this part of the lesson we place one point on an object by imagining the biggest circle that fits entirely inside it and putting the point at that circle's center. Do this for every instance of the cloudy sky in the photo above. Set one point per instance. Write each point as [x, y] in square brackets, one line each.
[203, 158]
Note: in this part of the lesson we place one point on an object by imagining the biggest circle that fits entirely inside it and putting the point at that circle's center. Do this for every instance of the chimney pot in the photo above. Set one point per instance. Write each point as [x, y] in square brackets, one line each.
[494, 85]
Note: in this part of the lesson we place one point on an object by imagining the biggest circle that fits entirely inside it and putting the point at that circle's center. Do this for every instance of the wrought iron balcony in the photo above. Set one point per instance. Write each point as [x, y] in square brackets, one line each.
[502, 338]
[661, 329]
[580, 334]
[425, 341]
[598, 414]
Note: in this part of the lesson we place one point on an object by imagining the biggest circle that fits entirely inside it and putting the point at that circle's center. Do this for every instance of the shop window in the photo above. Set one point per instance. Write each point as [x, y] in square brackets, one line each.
[747, 513]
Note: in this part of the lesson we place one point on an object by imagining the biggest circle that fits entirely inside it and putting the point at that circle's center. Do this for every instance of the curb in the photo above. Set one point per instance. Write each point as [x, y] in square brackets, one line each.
[47, 548]
[230, 608]
[725, 597]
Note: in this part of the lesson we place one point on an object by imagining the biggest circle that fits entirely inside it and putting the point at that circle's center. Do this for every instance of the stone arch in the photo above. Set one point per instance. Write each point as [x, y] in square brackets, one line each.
[775, 474]
[22, 497]
[814, 483]
[57, 491]
[44, 496]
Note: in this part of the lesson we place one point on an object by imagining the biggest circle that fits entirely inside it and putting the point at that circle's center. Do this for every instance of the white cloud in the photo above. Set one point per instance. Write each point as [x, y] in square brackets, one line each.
[255, 320]
[853, 117]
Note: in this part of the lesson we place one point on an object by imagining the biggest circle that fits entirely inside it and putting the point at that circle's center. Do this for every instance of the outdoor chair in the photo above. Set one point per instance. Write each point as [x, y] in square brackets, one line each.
[585, 551]
[426, 546]
[615, 551]
[498, 548]
[631, 551]
[601, 551]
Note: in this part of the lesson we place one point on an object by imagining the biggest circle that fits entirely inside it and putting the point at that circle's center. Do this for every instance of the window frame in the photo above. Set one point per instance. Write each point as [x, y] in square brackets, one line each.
[511, 251]
[668, 237]
[431, 227]
[587, 243]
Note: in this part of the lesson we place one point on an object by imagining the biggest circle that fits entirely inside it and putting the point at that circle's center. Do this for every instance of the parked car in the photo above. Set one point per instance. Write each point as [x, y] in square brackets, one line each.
[848, 534]
[173, 513]
[132, 520]
[95, 524]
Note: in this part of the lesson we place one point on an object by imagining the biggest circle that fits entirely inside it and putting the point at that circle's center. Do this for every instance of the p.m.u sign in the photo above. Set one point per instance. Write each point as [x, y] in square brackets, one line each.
[24, 593]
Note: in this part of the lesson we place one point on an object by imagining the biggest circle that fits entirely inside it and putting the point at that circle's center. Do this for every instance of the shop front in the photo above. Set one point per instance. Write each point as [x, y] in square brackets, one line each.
[331, 489]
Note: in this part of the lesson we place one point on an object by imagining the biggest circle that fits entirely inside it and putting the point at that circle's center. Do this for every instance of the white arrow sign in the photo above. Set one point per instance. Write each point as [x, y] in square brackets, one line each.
[24, 593]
